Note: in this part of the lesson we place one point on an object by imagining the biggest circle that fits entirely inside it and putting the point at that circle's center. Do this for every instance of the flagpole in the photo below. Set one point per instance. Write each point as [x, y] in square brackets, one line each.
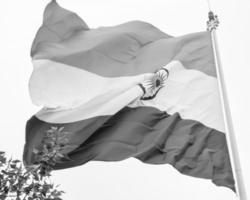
[212, 24]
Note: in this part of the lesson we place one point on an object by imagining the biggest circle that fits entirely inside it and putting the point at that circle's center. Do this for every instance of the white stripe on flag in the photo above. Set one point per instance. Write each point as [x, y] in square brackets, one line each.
[57, 85]
[191, 93]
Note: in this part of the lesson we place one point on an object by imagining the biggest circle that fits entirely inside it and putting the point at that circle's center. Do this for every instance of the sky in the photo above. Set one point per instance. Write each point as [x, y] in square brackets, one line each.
[129, 179]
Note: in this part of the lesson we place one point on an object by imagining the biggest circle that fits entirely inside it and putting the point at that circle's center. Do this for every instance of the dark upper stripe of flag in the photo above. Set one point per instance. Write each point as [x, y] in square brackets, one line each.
[127, 49]
[147, 134]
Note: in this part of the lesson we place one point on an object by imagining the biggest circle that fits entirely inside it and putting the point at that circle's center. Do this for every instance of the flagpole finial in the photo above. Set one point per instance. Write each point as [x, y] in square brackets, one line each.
[213, 21]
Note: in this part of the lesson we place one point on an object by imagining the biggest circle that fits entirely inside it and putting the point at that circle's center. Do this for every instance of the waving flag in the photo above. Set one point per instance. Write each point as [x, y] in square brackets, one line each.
[127, 91]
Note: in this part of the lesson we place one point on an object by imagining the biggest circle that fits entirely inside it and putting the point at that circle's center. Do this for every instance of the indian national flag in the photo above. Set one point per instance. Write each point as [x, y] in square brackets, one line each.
[124, 91]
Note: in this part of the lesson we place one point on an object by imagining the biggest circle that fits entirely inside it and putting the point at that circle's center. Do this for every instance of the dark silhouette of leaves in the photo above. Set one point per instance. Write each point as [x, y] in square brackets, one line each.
[33, 182]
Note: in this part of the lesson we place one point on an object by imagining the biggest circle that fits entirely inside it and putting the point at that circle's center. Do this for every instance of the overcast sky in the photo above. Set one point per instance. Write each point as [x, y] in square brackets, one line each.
[129, 179]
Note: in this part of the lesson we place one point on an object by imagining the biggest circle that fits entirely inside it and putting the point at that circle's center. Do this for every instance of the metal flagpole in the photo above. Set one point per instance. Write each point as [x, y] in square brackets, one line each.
[212, 24]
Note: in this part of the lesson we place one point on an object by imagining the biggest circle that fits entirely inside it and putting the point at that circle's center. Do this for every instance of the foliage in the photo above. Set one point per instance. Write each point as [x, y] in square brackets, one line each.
[33, 182]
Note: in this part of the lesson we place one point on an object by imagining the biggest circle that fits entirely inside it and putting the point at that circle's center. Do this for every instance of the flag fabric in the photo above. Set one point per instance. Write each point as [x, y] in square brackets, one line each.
[91, 83]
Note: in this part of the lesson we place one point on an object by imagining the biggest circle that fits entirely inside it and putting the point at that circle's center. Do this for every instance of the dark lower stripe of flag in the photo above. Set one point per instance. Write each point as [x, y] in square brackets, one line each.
[147, 134]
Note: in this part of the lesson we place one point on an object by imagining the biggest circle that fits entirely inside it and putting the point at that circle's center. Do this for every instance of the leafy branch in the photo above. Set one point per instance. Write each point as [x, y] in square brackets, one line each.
[33, 182]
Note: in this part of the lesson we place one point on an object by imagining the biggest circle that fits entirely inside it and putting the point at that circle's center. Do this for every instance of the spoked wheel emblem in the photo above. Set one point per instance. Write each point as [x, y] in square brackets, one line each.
[153, 85]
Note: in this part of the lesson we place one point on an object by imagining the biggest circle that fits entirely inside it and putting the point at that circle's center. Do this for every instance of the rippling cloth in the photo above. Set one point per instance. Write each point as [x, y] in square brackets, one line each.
[87, 80]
